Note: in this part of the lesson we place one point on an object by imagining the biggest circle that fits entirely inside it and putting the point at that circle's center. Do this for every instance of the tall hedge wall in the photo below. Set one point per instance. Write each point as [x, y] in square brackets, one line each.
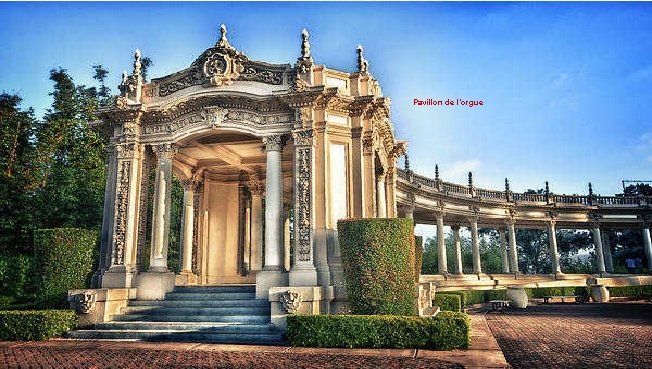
[64, 261]
[16, 275]
[378, 260]
[418, 256]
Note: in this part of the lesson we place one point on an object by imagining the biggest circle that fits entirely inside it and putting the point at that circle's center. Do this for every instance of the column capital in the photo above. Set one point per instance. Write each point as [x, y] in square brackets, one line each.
[127, 150]
[303, 137]
[455, 227]
[274, 142]
[164, 150]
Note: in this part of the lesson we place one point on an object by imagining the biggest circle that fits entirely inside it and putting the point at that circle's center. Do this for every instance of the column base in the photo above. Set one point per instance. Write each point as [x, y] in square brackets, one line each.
[302, 276]
[118, 277]
[266, 279]
[154, 285]
[186, 279]
[309, 300]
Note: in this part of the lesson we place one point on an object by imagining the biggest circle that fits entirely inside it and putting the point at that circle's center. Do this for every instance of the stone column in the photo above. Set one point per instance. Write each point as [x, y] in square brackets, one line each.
[272, 274]
[552, 240]
[381, 199]
[257, 189]
[606, 246]
[597, 242]
[303, 271]
[158, 280]
[647, 244]
[246, 255]
[286, 239]
[475, 240]
[458, 249]
[512, 247]
[187, 231]
[441, 245]
[107, 217]
[503, 251]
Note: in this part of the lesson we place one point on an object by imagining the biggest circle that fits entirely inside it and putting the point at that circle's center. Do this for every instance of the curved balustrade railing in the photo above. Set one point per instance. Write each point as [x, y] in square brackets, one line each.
[508, 196]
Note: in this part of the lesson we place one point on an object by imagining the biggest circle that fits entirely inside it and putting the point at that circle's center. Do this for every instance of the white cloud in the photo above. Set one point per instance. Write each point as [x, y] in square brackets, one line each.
[459, 170]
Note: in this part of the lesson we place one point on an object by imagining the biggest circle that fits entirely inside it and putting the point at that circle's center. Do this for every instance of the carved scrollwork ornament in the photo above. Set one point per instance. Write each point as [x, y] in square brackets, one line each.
[126, 150]
[274, 142]
[303, 137]
[256, 186]
[164, 151]
[85, 302]
[291, 301]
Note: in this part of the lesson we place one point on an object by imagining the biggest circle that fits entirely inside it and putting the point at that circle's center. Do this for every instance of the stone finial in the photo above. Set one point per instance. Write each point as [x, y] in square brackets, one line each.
[436, 172]
[137, 64]
[305, 45]
[506, 185]
[125, 76]
[407, 162]
[223, 41]
[590, 189]
[363, 64]
[470, 179]
[547, 188]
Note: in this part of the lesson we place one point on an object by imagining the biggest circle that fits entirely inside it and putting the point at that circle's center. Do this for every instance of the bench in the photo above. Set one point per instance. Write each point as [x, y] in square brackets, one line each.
[577, 298]
[499, 305]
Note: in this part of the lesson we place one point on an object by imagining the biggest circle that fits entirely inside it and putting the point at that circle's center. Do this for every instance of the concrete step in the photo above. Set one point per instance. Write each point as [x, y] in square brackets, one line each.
[159, 310]
[188, 327]
[216, 289]
[201, 303]
[198, 296]
[256, 319]
[177, 336]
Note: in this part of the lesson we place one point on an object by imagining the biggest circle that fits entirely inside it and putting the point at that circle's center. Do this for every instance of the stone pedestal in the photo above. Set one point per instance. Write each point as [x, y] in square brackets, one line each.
[298, 300]
[425, 295]
[98, 305]
[599, 293]
[266, 279]
[186, 279]
[517, 296]
[154, 285]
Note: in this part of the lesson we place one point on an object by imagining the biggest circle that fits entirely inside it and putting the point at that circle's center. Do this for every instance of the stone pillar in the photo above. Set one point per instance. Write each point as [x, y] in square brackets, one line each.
[246, 255]
[552, 240]
[257, 189]
[647, 245]
[107, 217]
[158, 280]
[121, 248]
[606, 246]
[503, 251]
[381, 198]
[512, 247]
[286, 239]
[597, 242]
[272, 274]
[303, 271]
[441, 245]
[458, 249]
[187, 232]
[475, 243]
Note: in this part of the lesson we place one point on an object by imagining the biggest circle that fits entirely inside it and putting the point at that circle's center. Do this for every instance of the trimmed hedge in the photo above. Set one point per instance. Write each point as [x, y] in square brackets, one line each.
[448, 302]
[17, 275]
[631, 291]
[473, 297]
[447, 331]
[378, 262]
[418, 256]
[557, 291]
[35, 325]
[64, 261]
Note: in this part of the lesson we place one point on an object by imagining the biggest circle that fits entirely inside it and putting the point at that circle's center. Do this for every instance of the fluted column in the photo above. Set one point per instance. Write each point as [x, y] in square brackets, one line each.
[512, 247]
[257, 189]
[381, 198]
[647, 244]
[552, 240]
[606, 246]
[458, 249]
[503, 251]
[599, 255]
[273, 204]
[188, 223]
[475, 244]
[158, 261]
[441, 245]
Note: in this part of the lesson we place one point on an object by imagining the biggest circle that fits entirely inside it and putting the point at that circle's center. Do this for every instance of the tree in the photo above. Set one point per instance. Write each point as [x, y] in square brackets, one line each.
[17, 154]
[104, 92]
[145, 64]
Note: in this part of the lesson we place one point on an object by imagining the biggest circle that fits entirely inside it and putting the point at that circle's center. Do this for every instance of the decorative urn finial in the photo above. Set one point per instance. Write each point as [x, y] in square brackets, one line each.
[363, 64]
[590, 189]
[223, 41]
[436, 172]
[407, 162]
[470, 179]
[506, 185]
[547, 188]
[137, 64]
[305, 45]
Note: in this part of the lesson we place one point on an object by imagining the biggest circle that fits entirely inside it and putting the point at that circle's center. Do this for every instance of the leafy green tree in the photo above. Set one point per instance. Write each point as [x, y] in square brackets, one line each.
[17, 174]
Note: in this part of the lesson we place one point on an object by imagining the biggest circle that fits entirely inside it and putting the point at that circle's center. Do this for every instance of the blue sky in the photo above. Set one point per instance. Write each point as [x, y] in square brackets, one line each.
[565, 86]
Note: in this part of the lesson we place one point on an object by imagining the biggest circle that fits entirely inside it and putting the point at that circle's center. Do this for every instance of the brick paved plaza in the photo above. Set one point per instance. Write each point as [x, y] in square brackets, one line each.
[614, 335]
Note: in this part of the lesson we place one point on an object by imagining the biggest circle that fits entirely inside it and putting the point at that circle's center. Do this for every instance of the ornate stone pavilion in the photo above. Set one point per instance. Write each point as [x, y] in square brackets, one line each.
[270, 157]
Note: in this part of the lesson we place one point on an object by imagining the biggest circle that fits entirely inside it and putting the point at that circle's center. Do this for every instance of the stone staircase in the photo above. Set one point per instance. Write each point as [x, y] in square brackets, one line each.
[224, 314]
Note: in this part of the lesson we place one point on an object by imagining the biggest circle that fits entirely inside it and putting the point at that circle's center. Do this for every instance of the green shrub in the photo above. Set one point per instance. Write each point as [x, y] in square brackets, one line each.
[418, 256]
[35, 325]
[17, 275]
[495, 295]
[378, 262]
[631, 291]
[64, 261]
[447, 331]
[448, 302]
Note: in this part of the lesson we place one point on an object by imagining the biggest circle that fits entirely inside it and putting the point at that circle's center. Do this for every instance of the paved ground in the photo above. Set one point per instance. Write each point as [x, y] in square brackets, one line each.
[614, 335]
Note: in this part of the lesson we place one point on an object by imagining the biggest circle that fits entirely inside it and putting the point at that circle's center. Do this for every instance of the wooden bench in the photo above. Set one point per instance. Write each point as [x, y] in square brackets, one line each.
[578, 298]
[499, 305]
